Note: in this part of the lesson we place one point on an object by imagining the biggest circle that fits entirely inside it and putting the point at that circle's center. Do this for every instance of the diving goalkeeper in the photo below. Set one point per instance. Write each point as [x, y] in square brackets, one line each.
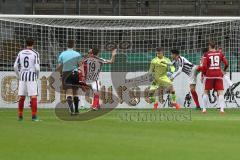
[161, 79]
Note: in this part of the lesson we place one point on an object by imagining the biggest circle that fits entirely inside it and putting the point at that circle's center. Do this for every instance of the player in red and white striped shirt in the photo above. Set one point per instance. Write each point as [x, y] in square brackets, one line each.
[92, 65]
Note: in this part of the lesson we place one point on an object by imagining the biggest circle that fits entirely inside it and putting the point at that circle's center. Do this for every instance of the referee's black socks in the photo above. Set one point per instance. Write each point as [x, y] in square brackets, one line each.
[70, 104]
[76, 103]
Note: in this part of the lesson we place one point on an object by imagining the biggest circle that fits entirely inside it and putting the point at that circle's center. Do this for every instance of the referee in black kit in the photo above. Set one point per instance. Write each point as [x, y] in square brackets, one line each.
[68, 63]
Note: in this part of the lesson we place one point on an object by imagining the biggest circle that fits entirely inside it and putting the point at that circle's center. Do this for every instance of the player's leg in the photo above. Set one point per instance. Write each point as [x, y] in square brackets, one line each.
[76, 85]
[173, 97]
[228, 80]
[68, 87]
[205, 101]
[193, 81]
[152, 90]
[75, 100]
[167, 83]
[22, 92]
[33, 92]
[218, 86]
[34, 107]
[69, 95]
[208, 86]
[194, 95]
[96, 95]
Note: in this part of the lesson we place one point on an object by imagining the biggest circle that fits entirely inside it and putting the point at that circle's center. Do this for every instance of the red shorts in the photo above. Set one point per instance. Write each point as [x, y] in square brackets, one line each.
[216, 84]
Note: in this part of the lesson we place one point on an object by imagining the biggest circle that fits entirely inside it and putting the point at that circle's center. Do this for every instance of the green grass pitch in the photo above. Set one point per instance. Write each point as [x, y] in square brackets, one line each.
[111, 137]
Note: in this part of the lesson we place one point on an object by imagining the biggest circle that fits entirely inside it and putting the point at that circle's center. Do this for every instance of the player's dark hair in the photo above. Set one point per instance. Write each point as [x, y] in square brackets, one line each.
[175, 51]
[71, 43]
[212, 44]
[95, 51]
[29, 41]
[159, 49]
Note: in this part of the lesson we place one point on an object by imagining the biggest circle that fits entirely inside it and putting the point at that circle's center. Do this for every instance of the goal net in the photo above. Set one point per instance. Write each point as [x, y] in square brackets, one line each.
[135, 38]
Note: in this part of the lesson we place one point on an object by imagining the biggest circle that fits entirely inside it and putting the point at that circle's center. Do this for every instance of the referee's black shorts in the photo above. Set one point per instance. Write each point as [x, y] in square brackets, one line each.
[70, 80]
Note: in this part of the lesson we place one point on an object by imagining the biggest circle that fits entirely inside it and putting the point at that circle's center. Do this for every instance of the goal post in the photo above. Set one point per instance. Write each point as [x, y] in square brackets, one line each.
[135, 37]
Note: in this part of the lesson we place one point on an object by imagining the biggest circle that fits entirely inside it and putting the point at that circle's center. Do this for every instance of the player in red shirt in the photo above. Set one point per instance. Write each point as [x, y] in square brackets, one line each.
[211, 68]
[89, 74]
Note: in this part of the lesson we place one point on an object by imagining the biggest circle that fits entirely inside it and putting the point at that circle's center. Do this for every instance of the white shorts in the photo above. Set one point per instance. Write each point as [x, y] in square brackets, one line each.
[193, 76]
[95, 85]
[27, 88]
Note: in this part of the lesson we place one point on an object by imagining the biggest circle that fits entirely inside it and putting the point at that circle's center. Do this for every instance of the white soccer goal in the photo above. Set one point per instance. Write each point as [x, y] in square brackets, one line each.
[135, 38]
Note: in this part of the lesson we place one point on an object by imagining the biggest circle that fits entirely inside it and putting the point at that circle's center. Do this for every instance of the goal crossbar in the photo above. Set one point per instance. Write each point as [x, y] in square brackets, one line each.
[87, 17]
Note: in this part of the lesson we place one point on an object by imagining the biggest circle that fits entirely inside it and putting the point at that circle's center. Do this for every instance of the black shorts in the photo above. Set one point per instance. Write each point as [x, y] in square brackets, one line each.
[70, 80]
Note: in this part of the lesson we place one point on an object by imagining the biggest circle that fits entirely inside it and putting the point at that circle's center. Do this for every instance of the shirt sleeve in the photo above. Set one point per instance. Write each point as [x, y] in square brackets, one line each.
[180, 66]
[151, 69]
[102, 60]
[171, 68]
[37, 63]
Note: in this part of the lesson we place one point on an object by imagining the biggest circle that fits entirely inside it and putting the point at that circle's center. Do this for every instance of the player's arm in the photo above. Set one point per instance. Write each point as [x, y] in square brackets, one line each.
[203, 64]
[59, 65]
[112, 60]
[225, 61]
[176, 73]
[171, 68]
[169, 63]
[16, 65]
[151, 68]
[37, 65]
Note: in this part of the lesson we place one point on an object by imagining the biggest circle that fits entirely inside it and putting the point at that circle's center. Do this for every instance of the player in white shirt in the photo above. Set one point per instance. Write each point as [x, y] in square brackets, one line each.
[92, 67]
[185, 66]
[27, 68]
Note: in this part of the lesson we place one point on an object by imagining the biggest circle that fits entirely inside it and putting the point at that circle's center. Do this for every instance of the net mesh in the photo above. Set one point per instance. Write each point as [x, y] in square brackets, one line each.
[135, 39]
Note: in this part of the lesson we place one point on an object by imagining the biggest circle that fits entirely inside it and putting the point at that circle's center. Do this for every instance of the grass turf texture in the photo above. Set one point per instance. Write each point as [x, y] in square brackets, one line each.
[208, 137]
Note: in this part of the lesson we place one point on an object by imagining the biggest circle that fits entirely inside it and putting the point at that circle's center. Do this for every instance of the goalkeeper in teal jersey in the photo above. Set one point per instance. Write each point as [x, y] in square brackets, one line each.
[160, 71]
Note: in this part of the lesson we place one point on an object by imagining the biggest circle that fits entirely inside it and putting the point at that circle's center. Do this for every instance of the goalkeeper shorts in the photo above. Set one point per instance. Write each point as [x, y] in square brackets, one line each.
[164, 82]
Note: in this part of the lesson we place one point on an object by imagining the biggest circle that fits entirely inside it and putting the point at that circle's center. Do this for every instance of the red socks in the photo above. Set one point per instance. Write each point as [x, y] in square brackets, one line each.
[96, 101]
[21, 106]
[34, 106]
[195, 98]
[155, 106]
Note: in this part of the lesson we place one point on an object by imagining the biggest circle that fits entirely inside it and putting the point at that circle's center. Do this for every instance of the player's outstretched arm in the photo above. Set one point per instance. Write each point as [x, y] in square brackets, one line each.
[112, 60]
[175, 74]
[168, 63]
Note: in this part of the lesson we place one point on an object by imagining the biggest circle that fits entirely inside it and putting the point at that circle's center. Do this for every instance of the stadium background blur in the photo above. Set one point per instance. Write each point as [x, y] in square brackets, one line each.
[123, 7]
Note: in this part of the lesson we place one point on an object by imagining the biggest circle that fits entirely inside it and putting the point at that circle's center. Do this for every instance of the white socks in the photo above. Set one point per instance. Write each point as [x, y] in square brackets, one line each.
[227, 79]
[221, 103]
[205, 101]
